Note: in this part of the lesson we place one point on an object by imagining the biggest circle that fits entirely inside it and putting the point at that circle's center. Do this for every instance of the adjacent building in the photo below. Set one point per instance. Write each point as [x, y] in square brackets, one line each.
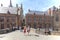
[56, 17]
[39, 19]
[11, 17]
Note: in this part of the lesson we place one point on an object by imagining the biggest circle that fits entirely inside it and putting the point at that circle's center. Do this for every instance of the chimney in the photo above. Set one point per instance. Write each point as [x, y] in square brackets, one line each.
[29, 10]
[1, 5]
[57, 9]
[49, 11]
[17, 5]
[54, 8]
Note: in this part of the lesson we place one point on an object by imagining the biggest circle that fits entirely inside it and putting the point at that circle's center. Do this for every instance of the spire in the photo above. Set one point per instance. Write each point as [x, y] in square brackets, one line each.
[21, 6]
[10, 4]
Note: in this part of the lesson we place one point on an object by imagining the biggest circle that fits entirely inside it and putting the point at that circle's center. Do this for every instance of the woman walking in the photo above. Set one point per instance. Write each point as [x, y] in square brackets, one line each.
[24, 30]
[28, 29]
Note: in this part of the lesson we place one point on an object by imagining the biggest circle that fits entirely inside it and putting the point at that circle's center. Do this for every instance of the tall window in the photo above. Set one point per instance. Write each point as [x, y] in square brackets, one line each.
[1, 19]
[57, 18]
[8, 19]
[29, 20]
[2, 26]
[8, 26]
[13, 18]
[34, 19]
[40, 19]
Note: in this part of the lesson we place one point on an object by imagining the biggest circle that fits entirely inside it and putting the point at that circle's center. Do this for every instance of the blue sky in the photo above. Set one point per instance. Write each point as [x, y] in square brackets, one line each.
[38, 5]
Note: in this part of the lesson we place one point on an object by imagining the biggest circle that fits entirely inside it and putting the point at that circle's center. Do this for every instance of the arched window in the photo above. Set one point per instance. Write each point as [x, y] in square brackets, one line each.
[34, 18]
[1, 19]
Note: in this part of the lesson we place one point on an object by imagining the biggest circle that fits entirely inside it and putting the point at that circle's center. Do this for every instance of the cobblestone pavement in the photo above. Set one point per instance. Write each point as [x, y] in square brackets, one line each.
[17, 35]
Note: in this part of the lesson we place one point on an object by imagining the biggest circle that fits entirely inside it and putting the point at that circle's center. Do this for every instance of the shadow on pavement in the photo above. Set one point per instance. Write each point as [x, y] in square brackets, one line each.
[33, 35]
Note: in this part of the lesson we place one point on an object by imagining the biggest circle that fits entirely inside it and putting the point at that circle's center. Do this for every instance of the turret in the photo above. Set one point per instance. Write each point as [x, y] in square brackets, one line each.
[49, 11]
[21, 12]
[10, 4]
[21, 6]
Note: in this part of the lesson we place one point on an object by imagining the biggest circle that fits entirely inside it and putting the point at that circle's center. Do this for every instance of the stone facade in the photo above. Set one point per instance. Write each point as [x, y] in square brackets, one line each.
[56, 17]
[56, 14]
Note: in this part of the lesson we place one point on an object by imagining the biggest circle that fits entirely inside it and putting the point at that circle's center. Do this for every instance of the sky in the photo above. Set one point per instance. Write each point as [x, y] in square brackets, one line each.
[38, 5]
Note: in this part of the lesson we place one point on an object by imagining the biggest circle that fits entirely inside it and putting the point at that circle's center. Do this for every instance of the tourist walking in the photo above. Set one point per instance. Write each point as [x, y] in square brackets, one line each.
[24, 30]
[28, 29]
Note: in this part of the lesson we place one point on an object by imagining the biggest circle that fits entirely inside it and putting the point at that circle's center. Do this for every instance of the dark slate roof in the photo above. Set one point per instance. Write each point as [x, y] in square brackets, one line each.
[38, 12]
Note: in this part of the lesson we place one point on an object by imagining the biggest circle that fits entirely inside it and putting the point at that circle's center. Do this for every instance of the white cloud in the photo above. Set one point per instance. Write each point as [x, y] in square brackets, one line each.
[4, 2]
[56, 3]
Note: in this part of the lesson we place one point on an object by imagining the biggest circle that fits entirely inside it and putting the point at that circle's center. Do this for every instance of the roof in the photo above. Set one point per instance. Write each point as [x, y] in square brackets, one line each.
[38, 12]
[12, 10]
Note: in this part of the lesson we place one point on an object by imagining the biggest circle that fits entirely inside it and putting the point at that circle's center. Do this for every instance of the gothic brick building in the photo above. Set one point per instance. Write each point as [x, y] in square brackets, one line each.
[39, 19]
[10, 17]
[55, 12]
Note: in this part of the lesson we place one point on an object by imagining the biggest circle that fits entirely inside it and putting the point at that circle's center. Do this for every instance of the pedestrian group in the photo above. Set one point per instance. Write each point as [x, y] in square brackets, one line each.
[26, 29]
